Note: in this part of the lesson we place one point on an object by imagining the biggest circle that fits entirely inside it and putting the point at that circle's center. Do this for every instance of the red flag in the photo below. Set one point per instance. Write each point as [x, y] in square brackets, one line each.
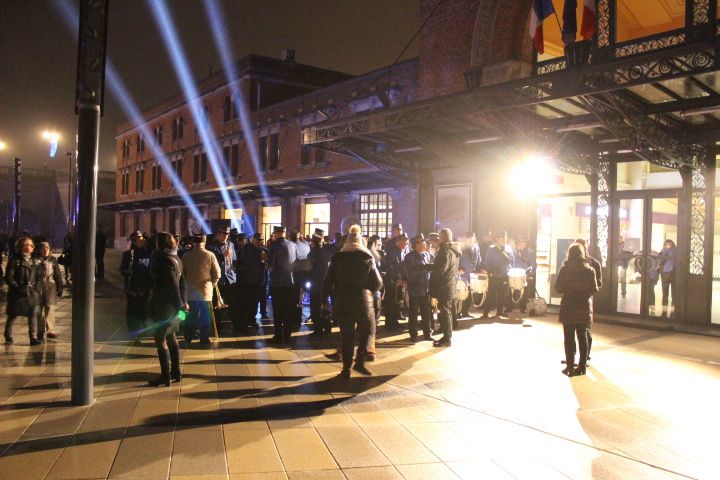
[541, 9]
[588, 28]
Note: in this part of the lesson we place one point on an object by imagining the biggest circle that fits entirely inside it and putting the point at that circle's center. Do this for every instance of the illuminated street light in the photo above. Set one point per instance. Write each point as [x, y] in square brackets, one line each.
[3, 145]
[52, 138]
[531, 177]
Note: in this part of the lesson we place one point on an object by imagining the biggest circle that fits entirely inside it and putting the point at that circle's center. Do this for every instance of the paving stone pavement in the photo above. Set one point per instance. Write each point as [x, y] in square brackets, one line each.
[493, 406]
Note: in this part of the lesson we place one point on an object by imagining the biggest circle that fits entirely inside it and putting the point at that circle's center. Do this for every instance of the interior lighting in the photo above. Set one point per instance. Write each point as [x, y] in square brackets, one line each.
[531, 177]
[481, 140]
[3, 145]
[579, 126]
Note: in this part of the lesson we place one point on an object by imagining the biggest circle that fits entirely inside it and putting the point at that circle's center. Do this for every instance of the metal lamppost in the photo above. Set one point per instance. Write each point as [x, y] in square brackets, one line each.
[70, 212]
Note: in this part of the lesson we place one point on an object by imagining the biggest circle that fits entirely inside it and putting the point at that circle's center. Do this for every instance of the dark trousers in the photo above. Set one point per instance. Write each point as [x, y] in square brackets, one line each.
[135, 313]
[321, 320]
[36, 326]
[100, 266]
[668, 282]
[284, 304]
[391, 307]
[446, 316]
[263, 301]
[199, 319]
[166, 341]
[348, 329]
[421, 306]
[498, 295]
[231, 298]
[571, 331]
[249, 298]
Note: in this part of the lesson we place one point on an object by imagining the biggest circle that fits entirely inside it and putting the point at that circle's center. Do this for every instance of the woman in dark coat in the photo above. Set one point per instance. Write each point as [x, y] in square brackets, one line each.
[352, 281]
[577, 283]
[166, 307]
[24, 279]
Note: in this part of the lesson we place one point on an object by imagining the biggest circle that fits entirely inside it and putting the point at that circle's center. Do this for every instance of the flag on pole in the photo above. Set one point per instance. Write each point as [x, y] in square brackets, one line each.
[569, 27]
[588, 28]
[541, 9]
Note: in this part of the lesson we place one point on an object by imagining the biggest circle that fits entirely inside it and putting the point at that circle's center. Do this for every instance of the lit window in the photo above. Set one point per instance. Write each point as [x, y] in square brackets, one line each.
[376, 214]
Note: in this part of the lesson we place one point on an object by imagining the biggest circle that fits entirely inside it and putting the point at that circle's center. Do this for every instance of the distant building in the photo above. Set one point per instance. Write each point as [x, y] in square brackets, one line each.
[305, 187]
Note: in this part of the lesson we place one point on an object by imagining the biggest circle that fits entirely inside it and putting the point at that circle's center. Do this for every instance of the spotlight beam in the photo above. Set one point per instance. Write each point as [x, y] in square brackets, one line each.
[120, 92]
[224, 46]
[174, 48]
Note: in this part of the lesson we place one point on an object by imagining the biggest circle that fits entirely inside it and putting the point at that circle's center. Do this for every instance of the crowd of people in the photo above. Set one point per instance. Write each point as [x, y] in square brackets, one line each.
[189, 285]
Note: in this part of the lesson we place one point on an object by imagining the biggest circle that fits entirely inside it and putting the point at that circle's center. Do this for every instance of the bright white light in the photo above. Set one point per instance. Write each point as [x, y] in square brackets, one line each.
[531, 177]
[52, 138]
[3, 145]
[307, 285]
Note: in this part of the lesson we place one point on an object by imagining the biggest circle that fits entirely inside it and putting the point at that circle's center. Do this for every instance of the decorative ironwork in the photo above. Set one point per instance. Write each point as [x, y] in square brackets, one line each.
[603, 12]
[342, 129]
[698, 216]
[535, 91]
[551, 66]
[653, 70]
[701, 11]
[650, 45]
[404, 170]
[602, 208]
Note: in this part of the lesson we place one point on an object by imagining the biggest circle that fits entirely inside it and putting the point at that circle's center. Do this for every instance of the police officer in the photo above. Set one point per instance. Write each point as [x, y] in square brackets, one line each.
[417, 265]
[394, 256]
[282, 287]
[497, 263]
[470, 261]
[251, 279]
[319, 259]
[226, 255]
[135, 268]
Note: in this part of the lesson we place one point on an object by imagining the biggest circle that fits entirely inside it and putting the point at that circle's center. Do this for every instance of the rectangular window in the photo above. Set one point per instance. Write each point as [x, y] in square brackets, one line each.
[153, 221]
[274, 151]
[305, 155]
[140, 144]
[172, 220]
[203, 167]
[174, 131]
[271, 217]
[317, 215]
[320, 155]
[226, 156]
[157, 177]
[137, 221]
[235, 160]
[262, 151]
[183, 221]
[196, 169]
[123, 224]
[376, 214]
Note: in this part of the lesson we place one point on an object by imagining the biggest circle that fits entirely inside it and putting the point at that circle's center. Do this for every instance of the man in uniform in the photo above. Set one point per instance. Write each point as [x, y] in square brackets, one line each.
[135, 268]
[224, 251]
[497, 263]
[282, 287]
[469, 263]
[319, 258]
[443, 283]
[417, 265]
[251, 279]
[394, 256]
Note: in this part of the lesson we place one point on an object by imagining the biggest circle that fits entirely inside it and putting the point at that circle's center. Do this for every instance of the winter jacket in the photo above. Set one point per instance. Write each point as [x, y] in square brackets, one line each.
[227, 263]
[202, 272]
[51, 283]
[320, 263]
[23, 276]
[470, 261]
[497, 262]
[352, 280]
[169, 294]
[595, 265]
[251, 266]
[576, 282]
[135, 267]
[525, 259]
[282, 257]
[392, 263]
[444, 272]
[417, 272]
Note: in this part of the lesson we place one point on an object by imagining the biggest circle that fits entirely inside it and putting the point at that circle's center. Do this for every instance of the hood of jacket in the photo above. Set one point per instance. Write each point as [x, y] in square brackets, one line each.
[455, 248]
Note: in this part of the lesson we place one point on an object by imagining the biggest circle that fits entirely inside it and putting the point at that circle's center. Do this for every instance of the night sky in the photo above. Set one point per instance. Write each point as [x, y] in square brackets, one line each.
[38, 56]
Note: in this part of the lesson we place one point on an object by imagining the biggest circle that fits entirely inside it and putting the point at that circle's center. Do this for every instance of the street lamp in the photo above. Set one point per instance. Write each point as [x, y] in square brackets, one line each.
[53, 138]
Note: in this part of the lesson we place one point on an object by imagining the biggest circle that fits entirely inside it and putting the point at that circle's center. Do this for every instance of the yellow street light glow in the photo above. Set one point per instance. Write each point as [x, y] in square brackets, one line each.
[3, 145]
[50, 136]
[531, 177]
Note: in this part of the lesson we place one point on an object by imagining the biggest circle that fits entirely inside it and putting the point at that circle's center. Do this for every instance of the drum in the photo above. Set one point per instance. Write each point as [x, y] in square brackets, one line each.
[479, 282]
[516, 278]
[462, 290]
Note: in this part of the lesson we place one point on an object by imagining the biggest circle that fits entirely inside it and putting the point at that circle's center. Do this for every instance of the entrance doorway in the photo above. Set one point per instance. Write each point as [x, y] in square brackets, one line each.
[643, 268]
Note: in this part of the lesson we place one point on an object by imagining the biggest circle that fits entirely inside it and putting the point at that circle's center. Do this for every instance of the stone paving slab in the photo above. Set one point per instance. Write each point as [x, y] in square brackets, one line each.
[494, 406]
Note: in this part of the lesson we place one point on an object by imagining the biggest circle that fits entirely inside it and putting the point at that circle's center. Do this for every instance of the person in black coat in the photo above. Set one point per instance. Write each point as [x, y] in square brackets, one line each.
[352, 280]
[597, 268]
[167, 307]
[24, 278]
[135, 268]
[251, 279]
[577, 284]
[100, 244]
[319, 258]
[443, 283]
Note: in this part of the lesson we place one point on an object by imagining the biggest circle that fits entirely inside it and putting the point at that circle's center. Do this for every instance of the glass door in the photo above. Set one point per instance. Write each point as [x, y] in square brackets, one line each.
[646, 254]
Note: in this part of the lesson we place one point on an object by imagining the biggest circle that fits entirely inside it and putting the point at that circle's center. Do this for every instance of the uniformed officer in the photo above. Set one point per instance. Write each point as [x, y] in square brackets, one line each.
[394, 256]
[417, 265]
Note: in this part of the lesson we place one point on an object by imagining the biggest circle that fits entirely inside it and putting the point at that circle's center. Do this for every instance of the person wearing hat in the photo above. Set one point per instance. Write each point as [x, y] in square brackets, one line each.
[23, 277]
[319, 258]
[135, 268]
[251, 279]
[497, 262]
[416, 270]
[202, 272]
[284, 295]
[226, 256]
[433, 241]
[51, 287]
[394, 256]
